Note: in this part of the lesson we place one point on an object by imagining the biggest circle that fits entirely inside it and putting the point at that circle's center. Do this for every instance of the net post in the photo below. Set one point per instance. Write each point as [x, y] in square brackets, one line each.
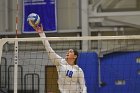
[15, 66]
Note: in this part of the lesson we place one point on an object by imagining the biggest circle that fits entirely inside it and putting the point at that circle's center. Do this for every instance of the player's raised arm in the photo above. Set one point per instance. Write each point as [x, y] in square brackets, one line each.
[55, 58]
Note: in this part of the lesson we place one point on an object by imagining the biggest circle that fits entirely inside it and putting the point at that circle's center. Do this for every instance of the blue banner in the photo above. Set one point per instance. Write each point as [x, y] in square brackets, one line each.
[46, 9]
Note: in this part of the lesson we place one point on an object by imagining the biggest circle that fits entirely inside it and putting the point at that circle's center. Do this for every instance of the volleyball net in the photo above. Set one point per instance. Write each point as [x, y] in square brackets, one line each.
[25, 66]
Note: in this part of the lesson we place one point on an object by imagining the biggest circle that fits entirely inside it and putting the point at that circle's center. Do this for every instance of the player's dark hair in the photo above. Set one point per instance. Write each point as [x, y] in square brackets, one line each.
[75, 53]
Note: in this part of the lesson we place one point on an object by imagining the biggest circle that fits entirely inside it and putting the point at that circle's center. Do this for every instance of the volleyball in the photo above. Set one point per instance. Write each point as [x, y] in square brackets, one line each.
[33, 19]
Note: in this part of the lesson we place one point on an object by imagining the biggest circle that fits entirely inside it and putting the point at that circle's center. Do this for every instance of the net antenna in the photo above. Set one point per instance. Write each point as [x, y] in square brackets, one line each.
[17, 18]
[16, 51]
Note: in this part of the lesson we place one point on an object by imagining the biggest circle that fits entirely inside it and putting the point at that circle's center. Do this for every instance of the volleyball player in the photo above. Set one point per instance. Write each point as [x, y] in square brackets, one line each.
[70, 75]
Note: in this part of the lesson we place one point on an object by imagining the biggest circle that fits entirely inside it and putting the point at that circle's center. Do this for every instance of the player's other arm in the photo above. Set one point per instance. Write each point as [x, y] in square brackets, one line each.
[55, 58]
[82, 82]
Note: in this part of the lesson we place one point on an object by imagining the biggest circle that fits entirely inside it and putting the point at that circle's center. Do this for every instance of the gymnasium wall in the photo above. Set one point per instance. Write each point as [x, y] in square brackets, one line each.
[119, 72]
[88, 61]
[2, 15]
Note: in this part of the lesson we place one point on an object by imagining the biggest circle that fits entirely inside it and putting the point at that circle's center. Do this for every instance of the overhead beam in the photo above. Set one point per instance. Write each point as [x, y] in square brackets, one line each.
[108, 14]
[95, 12]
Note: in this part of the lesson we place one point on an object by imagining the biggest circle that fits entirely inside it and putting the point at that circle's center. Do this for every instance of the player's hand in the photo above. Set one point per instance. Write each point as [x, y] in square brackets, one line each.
[38, 28]
[32, 24]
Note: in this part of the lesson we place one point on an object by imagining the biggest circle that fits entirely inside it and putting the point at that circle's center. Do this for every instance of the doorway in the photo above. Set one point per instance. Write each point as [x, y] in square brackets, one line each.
[51, 77]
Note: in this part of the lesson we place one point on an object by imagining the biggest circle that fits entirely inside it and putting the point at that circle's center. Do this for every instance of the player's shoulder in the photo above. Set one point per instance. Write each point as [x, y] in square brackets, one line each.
[78, 68]
[63, 62]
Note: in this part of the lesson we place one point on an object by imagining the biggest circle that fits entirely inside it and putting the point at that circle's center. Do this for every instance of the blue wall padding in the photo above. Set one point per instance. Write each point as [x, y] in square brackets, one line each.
[120, 66]
[89, 63]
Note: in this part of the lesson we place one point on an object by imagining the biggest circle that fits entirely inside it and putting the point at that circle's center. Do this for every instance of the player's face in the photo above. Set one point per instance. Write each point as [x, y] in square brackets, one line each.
[70, 54]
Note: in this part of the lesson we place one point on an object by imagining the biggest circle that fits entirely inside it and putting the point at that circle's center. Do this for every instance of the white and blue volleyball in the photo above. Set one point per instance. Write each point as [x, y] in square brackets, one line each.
[34, 18]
